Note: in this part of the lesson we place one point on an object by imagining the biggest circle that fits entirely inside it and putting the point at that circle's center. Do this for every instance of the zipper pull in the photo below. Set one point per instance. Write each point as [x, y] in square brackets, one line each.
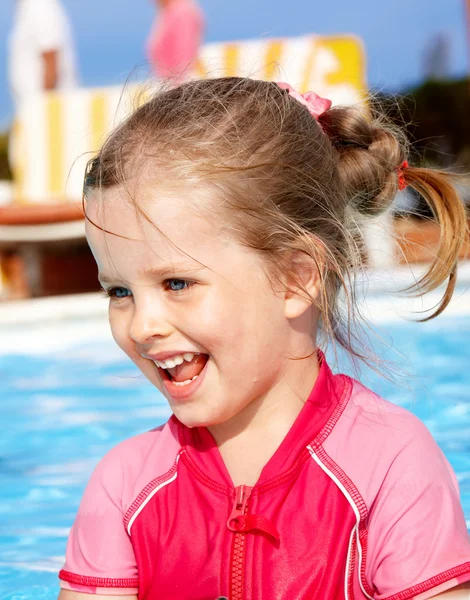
[241, 522]
[242, 494]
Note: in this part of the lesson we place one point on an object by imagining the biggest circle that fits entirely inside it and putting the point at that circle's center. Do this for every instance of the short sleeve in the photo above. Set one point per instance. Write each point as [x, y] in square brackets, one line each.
[418, 544]
[49, 19]
[100, 558]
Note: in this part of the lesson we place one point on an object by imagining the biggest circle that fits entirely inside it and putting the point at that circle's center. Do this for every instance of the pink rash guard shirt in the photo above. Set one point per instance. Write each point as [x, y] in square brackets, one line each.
[358, 502]
[175, 39]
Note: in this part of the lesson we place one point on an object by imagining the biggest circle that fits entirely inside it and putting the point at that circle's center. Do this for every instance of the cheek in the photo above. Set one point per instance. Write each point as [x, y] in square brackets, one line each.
[205, 320]
[119, 329]
[236, 318]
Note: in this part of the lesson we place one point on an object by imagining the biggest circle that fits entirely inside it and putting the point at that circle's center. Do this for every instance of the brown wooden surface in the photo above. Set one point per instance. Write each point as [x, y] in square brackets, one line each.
[418, 240]
[69, 272]
[40, 214]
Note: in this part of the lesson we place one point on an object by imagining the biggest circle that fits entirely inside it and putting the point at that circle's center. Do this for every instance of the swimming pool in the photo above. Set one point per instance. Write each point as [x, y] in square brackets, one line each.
[68, 395]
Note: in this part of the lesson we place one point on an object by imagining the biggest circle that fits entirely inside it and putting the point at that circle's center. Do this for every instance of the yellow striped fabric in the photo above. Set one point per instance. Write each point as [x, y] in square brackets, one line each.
[54, 146]
[98, 119]
[55, 134]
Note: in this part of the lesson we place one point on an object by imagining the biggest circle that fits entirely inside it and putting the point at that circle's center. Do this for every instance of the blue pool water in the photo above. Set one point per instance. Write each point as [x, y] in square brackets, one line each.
[64, 403]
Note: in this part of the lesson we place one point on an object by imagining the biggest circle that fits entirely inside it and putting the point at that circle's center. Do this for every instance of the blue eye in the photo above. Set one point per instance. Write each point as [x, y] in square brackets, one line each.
[178, 285]
[118, 292]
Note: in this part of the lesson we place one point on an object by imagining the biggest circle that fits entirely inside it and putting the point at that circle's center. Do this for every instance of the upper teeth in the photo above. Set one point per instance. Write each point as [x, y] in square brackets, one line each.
[169, 363]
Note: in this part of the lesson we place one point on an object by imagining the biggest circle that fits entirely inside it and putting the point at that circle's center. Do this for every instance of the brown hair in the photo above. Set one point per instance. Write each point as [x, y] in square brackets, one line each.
[288, 183]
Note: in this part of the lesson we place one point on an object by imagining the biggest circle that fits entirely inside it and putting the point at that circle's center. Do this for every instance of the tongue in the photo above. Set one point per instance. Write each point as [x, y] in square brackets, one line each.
[188, 370]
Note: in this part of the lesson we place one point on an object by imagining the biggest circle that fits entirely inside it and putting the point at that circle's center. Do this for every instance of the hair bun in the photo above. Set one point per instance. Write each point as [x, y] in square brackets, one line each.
[369, 155]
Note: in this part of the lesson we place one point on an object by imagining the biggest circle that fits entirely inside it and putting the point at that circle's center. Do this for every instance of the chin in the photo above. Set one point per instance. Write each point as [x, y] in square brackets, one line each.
[193, 418]
[192, 421]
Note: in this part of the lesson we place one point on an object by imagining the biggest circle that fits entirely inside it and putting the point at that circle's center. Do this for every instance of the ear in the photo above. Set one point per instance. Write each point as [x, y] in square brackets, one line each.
[303, 284]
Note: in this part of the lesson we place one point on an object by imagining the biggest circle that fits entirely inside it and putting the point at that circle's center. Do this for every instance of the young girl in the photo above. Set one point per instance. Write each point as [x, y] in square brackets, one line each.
[221, 216]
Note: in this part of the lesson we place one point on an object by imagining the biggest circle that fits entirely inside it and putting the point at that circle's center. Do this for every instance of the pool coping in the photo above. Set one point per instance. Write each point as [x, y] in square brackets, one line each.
[380, 286]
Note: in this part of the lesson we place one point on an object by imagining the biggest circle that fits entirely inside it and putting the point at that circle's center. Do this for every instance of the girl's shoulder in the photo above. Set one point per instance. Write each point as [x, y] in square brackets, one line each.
[99, 542]
[380, 445]
[131, 466]
[404, 493]
[386, 423]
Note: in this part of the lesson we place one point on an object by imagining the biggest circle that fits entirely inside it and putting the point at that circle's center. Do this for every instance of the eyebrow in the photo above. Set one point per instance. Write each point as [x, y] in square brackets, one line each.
[155, 273]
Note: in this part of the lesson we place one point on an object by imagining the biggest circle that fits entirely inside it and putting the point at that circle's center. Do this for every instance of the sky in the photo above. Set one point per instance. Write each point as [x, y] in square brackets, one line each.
[110, 34]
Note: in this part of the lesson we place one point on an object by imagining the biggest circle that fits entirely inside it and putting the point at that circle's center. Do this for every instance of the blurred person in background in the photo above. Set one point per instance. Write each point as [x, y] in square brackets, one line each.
[41, 54]
[41, 58]
[175, 38]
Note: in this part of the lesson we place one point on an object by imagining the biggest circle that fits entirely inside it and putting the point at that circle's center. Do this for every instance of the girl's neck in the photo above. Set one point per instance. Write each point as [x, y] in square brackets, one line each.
[249, 440]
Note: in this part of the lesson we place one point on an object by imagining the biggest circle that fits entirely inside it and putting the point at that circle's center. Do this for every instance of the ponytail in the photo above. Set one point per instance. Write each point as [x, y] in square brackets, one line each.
[372, 167]
[438, 190]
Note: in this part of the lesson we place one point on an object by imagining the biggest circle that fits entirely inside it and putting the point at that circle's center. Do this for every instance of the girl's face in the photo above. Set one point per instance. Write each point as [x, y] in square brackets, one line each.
[192, 296]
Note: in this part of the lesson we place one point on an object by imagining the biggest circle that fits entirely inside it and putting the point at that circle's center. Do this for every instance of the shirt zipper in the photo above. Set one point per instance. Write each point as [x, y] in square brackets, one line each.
[240, 509]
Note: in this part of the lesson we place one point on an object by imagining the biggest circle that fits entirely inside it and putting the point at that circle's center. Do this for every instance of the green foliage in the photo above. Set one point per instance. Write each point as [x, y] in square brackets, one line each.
[436, 115]
[441, 127]
[5, 172]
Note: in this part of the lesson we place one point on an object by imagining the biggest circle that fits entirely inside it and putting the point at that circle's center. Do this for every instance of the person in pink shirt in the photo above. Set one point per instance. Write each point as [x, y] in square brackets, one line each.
[222, 216]
[175, 38]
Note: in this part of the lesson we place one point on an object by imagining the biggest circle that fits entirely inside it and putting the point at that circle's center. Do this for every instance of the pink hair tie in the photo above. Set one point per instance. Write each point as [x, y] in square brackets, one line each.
[315, 104]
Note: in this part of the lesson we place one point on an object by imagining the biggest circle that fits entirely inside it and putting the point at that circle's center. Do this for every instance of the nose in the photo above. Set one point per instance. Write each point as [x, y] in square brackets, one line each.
[148, 321]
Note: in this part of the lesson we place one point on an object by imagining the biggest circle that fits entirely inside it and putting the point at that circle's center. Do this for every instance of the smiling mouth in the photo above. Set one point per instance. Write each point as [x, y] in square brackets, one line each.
[185, 373]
